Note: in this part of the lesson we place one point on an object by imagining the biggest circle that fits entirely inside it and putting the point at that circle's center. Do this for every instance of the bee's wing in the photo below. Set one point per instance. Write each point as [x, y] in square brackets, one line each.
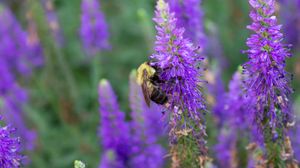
[145, 88]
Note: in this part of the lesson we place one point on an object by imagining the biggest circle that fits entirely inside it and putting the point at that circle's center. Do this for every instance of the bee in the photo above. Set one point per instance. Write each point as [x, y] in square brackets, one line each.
[148, 79]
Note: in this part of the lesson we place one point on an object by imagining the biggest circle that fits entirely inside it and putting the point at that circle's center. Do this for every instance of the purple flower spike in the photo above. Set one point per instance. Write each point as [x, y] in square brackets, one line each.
[114, 131]
[10, 156]
[179, 60]
[266, 79]
[190, 17]
[238, 107]
[237, 104]
[94, 30]
[216, 88]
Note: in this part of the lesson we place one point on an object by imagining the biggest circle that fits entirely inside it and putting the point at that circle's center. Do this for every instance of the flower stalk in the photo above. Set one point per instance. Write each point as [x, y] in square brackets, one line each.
[266, 80]
[180, 64]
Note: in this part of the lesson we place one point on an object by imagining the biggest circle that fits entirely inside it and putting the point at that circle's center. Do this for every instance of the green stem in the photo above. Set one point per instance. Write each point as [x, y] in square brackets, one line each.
[96, 73]
[273, 148]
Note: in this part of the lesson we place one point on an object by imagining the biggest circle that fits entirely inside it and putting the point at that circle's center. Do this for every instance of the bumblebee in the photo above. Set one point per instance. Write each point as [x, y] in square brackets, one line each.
[148, 79]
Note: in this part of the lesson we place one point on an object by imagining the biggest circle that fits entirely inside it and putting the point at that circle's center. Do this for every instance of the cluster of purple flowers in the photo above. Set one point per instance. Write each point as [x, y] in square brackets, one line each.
[129, 144]
[266, 80]
[179, 61]
[15, 60]
[257, 100]
[10, 156]
[94, 30]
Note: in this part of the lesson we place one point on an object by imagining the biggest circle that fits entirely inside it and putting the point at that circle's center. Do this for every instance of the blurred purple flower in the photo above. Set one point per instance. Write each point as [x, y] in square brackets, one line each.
[225, 148]
[10, 156]
[53, 21]
[13, 99]
[190, 17]
[237, 105]
[109, 160]
[295, 139]
[114, 131]
[216, 88]
[14, 49]
[147, 129]
[290, 15]
[266, 80]
[236, 122]
[33, 42]
[94, 31]
[15, 60]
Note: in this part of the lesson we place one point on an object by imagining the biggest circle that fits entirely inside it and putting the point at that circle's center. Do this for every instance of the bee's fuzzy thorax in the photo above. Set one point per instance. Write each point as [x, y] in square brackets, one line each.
[144, 67]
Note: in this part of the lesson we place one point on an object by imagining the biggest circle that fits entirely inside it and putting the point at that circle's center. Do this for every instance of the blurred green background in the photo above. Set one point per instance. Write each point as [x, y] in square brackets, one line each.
[64, 108]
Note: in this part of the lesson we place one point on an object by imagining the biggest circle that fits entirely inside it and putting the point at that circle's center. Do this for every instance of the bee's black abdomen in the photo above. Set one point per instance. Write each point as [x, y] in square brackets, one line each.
[159, 97]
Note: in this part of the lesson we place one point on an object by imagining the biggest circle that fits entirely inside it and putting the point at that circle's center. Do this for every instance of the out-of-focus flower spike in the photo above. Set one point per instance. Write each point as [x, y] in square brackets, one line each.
[113, 131]
[33, 42]
[15, 59]
[216, 94]
[13, 98]
[294, 132]
[226, 149]
[14, 49]
[94, 30]
[236, 122]
[110, 160]
[53, 21]
[290, 16]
